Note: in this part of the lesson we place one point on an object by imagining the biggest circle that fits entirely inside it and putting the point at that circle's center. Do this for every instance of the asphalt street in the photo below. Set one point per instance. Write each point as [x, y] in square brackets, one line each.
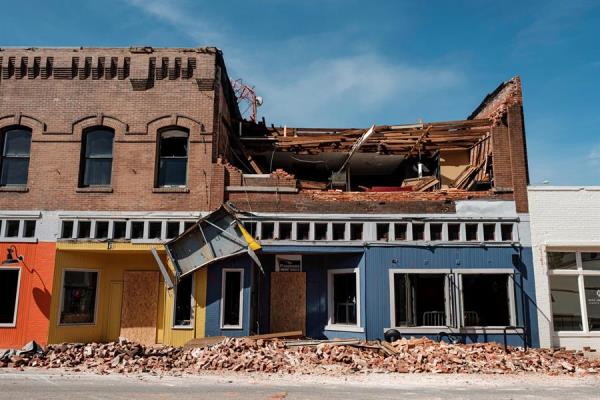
[65, 386]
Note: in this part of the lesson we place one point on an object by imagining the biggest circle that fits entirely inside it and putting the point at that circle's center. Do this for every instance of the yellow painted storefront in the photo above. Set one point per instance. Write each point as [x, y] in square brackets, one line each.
[112, 263]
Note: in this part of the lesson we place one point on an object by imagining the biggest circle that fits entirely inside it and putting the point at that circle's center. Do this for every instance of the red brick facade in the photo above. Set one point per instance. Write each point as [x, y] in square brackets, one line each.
[58, 93]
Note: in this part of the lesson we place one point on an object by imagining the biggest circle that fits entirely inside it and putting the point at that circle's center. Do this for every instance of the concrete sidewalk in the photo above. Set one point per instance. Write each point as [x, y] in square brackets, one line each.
[36, 384]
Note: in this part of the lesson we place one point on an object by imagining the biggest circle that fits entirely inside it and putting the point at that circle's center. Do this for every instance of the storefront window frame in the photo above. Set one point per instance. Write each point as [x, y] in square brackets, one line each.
[62, 294]
[580, 273]
[17, 296]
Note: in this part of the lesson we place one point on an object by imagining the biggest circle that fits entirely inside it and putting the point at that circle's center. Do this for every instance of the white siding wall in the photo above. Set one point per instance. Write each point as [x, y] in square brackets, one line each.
[561, 218]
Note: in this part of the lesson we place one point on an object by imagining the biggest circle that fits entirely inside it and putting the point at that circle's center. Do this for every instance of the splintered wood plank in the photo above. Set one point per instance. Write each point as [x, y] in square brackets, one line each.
[140, 306]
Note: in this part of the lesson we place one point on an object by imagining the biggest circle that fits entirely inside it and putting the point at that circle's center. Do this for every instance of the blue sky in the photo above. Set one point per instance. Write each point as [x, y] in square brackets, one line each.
[353, 63]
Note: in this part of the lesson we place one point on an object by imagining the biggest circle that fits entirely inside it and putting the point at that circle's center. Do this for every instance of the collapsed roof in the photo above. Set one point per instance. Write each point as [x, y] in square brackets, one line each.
[428, 156]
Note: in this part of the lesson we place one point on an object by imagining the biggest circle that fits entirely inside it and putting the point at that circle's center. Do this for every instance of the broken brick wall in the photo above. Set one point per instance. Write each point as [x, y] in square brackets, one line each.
[509, 150]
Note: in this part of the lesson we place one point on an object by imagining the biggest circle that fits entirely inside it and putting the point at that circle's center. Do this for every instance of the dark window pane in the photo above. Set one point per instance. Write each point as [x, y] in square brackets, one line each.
[154, 230]
[12, 228]
[320, 231]
[592, 301]
[172, 172]
[183, 302]
[303, 229]
[590, 261]
[356, 231]
[471, 232]
[251, 228]
[17, 143]
[489, 232]
[494, 311]
[507, 232]
[172, 229]
[67, 230]
[344, 298]
[14, 171]
[435, 231]
[79, 297]
[9, 279]
[83, 229]
[453, 232]
[420, 299]
[383, 231]
[285, 230]
[188, 224]
[29, 229]
[339, 231]
[137, 229]
[173, 146]
[400, 231]
[267, 230]
[101, 229]
[231, 306]
[99, 144]
[418, 231]
[119, 229]
[566, 308]
[558, 260]
[97, 171]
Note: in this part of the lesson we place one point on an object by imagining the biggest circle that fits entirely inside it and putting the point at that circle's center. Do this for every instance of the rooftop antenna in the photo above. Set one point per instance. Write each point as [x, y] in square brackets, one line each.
[247, 99]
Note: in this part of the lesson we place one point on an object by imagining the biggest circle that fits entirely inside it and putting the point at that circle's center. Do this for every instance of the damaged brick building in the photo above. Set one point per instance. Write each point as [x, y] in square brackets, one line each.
[422, 228]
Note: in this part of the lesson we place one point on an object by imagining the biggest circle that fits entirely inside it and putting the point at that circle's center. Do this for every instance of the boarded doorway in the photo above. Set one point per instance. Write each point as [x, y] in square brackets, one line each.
[140, 306]
[288, 301]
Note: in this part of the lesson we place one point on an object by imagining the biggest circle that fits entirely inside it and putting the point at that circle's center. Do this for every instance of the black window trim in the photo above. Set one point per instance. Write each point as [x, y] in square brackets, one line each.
[3, 133]
[83, 157]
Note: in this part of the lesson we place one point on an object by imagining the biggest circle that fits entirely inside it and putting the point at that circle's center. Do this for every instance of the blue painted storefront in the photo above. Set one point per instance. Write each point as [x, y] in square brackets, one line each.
[374, 263]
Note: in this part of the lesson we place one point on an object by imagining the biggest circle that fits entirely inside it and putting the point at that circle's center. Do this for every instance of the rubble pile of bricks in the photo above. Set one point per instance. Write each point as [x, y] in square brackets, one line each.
[306, 357]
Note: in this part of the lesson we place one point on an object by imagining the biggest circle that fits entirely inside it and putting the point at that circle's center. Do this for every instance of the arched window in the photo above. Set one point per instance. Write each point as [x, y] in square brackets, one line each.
[97, 157]
[16, 147]
[172, 157]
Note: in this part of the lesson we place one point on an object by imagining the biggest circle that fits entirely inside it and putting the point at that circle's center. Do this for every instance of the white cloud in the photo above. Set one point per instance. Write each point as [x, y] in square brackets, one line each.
[300, 86]
[328, 91]
[174, 13]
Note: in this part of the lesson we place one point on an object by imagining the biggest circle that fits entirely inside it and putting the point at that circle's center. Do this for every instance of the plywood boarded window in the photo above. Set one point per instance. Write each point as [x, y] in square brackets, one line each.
[9, 295]
[232, 298]
[79, 297]
[184, 302]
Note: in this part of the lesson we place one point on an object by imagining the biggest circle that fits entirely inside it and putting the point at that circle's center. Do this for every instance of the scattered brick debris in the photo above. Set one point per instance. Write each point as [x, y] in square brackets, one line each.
[306, 357]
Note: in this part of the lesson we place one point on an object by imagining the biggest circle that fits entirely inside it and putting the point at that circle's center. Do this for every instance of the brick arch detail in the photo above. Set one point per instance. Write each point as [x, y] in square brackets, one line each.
[37, 127]
[80, 125]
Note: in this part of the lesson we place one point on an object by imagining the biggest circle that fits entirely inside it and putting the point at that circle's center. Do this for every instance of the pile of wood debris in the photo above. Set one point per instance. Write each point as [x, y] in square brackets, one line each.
[305, 357]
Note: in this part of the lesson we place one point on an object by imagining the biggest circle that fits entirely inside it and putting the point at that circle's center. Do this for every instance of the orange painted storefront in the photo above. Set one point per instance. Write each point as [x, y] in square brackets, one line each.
[35, 294]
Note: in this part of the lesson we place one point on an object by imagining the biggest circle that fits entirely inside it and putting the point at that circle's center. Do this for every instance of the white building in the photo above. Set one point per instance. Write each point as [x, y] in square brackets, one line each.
[565, 236]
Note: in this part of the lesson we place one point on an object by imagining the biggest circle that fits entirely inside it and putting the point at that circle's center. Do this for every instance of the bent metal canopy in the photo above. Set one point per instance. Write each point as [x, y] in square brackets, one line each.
[218, 236]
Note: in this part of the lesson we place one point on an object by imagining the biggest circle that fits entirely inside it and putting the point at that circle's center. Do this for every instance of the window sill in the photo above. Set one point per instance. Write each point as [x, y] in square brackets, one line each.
[15, 189]
[231, 327]
[8, 325]
[171, 190]
[183, 327]
[345, 328]
[576, 334]
[18, 240]
[94, 189]
[452, 330]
